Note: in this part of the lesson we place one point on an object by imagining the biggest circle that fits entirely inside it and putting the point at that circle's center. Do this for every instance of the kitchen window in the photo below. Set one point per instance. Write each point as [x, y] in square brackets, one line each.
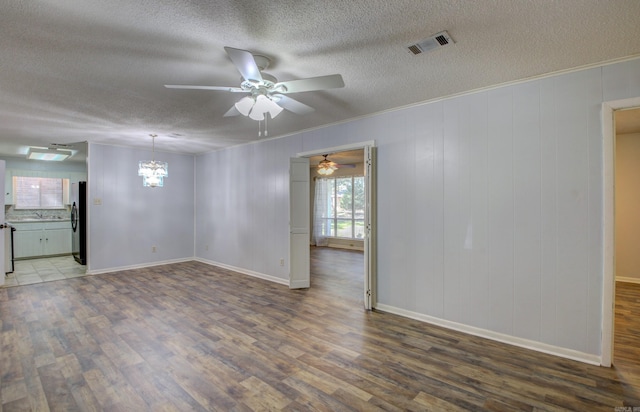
[38, 192]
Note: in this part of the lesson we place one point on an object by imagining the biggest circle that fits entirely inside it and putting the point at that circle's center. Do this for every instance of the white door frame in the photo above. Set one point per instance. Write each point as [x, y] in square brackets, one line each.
[369, 252]
[608, 287]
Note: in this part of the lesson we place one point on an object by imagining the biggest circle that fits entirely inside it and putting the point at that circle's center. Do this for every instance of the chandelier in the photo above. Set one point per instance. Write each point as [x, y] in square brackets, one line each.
[153, 172]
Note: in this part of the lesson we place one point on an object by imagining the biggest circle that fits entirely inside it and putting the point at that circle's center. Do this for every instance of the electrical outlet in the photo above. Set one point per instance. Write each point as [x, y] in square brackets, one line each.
[281, 262]
[153, 249]
[97, 201]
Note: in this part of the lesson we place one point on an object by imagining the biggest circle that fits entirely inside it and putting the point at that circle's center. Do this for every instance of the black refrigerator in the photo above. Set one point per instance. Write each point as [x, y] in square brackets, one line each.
[79, 221]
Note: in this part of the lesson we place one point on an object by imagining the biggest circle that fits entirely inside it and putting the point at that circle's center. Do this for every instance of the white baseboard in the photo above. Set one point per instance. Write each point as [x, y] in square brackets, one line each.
[496, 336]
[627, 280]
[139, 266]
[244, 271]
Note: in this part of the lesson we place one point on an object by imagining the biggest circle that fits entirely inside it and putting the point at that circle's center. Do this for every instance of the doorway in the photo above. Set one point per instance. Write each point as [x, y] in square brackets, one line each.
[368, 241]
[627, 237]
[337, 216]
[616, 120]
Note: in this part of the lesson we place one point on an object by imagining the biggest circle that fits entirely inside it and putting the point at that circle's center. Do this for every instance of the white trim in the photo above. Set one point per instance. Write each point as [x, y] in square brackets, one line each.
[243, 271]
[627, 279]
[495, 336]
[139, 266]
[336, 149]
[608, 281]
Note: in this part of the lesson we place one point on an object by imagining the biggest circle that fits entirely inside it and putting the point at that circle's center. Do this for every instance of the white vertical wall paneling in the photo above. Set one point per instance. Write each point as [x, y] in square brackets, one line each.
[438, 213]
[500, 224]
[527, 215]
[423, 223]
[388, 229]
[572, 210]
[466, 135]
[452, 218]
[595, 204]
[476, 283]
[132, 218]
[548, 210]
[246, 189]
[410, 214]
[620, 81]
[396, 205]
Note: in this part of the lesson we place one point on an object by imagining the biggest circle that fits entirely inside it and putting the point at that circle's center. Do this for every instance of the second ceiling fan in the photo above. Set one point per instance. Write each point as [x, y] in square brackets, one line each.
[265, 93]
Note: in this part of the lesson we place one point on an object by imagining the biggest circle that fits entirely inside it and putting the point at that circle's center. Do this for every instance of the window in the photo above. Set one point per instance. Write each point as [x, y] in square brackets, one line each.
[38, 192]
[345, 208]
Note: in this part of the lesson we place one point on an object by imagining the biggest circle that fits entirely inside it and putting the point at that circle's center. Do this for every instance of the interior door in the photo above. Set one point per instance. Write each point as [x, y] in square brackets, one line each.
[299, 223]
[370, 234]
[2, 234]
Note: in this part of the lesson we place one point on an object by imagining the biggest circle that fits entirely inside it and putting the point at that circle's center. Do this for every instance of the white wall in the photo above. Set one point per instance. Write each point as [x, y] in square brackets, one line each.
[489, 205]
[133, 218]
[242, 205]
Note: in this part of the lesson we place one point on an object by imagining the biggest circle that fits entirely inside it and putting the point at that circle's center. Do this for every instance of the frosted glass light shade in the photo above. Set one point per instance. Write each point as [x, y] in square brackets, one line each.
[244, 105]
[274, 109]
[325, 171]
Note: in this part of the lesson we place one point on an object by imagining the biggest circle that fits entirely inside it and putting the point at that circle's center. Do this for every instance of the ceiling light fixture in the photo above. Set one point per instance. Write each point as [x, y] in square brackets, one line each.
[51, 154]
[255, 107]
[326, 167]
[153, 172]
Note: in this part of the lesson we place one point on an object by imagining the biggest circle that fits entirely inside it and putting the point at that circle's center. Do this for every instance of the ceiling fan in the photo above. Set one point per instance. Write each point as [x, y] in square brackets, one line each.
[265, 93]
[327, 167]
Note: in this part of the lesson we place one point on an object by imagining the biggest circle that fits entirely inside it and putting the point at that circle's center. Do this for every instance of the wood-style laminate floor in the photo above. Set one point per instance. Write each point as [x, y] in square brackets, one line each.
[189, 336]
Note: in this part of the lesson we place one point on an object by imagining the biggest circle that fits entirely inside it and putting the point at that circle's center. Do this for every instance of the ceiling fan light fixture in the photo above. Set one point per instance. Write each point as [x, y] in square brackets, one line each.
[256, 115]
[324, 171]
[245, 104]
[326, 167]
[262, 104]
[274, 109]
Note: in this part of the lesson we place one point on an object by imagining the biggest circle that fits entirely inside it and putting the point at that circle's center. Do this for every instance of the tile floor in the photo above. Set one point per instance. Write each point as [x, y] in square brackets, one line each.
[31, 271]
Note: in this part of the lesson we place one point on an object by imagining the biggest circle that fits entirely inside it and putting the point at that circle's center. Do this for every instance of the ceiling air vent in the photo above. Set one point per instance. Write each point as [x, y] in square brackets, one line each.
[437, 40]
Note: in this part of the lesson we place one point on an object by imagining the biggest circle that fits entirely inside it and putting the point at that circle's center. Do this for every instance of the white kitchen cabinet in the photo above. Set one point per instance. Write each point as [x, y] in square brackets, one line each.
[27, 243]
[57, 241]
[33, 239]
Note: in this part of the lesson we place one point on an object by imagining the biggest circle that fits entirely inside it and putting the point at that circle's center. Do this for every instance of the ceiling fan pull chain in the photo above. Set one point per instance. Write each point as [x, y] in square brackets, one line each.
[259, 132]
[266, 132]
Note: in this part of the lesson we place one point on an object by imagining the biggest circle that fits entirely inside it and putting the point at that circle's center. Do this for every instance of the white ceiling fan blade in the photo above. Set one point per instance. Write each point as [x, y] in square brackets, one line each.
[222, 88]
[292, 105]
[232, 112]
[245, 63]
[332, 81]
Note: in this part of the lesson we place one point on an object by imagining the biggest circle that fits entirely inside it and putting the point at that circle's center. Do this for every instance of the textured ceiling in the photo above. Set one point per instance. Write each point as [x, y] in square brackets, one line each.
[76, 70]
